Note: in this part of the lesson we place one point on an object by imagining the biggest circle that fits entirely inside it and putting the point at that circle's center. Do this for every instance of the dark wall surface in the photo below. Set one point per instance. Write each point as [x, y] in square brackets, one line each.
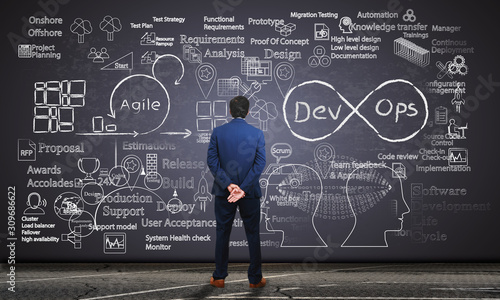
[379, 119]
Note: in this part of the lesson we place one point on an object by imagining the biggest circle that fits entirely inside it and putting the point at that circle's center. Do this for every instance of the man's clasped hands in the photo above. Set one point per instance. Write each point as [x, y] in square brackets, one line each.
[236, 193]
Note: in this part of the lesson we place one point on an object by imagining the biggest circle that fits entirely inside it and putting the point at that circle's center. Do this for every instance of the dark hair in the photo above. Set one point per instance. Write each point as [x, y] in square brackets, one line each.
[239, 107]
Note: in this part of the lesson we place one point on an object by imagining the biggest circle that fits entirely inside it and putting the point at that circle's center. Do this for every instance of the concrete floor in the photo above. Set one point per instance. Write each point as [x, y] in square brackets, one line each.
[285, 281]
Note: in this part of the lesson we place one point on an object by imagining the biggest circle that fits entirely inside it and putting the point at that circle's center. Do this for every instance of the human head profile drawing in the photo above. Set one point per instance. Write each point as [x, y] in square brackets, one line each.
[345, 25]
[291, 199]
[378, 206]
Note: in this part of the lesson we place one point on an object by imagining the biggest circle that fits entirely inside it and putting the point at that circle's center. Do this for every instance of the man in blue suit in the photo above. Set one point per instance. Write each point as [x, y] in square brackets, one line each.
[236, 157]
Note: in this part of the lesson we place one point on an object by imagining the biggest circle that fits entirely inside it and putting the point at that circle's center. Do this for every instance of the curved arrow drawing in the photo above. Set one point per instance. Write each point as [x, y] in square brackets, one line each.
[177, 82]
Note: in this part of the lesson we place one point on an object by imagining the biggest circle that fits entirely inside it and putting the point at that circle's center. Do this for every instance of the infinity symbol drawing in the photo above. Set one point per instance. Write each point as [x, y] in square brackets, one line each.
[313, 110]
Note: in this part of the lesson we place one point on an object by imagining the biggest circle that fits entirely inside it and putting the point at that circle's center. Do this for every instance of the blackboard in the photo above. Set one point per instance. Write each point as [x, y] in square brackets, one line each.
[378, 118]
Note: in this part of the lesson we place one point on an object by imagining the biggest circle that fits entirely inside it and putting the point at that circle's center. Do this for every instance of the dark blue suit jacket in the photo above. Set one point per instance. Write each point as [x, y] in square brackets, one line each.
[237, 154]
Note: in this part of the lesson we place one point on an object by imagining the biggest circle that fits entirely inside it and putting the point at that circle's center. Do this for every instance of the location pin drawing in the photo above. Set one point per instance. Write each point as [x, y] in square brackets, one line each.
[324, 154]
[284, 73]
[133, 164]
[205, 76]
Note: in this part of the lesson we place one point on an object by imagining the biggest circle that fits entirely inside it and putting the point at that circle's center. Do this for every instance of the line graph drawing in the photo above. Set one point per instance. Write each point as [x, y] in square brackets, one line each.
[115, 242]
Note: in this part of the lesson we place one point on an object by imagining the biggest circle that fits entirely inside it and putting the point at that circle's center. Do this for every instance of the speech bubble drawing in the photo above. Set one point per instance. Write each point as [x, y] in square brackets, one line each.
[281, 150]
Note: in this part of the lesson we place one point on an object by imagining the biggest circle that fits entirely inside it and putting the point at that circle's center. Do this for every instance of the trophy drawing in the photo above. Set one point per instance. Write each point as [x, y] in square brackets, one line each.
[88, 166]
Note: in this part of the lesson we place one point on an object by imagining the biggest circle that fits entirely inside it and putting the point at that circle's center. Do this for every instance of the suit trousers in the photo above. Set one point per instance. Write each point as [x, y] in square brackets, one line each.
[224, 215]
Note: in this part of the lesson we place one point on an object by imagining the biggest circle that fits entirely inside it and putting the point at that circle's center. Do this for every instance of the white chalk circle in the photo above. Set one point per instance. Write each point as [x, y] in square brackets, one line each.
[139, 104]
[68, 205]
[92, 193]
